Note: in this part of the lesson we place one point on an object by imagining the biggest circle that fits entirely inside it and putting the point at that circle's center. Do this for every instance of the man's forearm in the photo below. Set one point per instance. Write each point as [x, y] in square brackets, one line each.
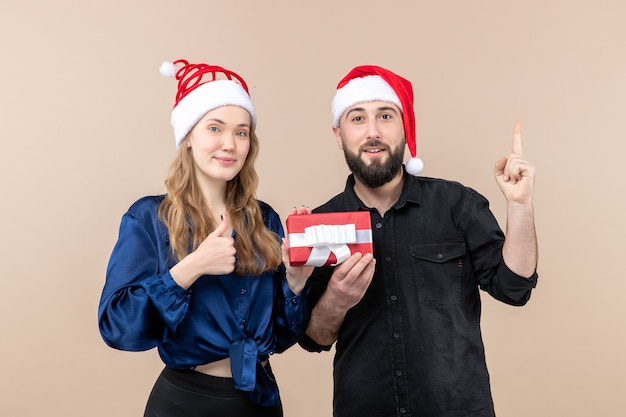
[326, 319]
[520, 251]
[346, 287]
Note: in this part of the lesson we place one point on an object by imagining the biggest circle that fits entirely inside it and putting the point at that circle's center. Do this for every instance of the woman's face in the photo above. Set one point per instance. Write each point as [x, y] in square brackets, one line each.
[220, 143]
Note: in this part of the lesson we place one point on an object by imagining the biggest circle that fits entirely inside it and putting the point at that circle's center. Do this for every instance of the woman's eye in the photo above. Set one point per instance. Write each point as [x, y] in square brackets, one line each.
[213, 129]
[242, 133]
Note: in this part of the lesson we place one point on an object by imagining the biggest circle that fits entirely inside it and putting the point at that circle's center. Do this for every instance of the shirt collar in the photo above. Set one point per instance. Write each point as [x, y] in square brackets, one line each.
[411, 192]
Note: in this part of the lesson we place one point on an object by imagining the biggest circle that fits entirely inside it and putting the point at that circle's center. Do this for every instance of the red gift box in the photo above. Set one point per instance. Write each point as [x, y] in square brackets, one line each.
[322, 239]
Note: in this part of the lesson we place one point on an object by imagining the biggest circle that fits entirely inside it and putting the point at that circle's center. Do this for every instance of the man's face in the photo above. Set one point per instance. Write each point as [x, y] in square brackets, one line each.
[371, 136]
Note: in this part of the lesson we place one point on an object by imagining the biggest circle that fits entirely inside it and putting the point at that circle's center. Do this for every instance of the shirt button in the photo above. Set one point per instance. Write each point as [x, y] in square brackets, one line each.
[244, 291]
[396, 335]
[388, 259]
[402, 410]
[393, 298]
[440, 256]
[379, 225]
[398, 373]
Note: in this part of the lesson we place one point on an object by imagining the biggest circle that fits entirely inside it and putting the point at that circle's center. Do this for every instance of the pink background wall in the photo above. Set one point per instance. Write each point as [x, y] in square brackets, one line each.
[85, 131]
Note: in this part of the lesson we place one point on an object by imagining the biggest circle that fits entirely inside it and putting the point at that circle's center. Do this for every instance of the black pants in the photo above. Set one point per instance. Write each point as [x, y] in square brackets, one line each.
[194, 394]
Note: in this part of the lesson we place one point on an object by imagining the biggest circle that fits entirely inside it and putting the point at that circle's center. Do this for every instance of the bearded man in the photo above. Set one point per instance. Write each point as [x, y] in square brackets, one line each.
[406, 319]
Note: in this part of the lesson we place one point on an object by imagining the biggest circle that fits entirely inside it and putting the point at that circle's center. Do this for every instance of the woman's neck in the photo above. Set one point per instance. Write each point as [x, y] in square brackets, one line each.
[215, 198]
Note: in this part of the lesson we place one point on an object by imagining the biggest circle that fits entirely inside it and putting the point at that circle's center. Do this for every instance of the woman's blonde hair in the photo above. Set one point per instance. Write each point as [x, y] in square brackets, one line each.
[186, 215]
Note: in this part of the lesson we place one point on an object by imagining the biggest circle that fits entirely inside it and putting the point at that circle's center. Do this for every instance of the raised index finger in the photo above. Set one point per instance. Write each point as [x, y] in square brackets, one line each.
[517, 139]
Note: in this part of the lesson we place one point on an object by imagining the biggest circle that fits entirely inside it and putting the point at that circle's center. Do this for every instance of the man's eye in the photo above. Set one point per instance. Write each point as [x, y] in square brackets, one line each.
[386, 116]
[357, 119]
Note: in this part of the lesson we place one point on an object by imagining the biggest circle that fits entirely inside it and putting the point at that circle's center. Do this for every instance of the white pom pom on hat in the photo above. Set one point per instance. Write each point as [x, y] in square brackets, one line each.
[414, 166]
[167, 69]
[372, 83]
[196, 96]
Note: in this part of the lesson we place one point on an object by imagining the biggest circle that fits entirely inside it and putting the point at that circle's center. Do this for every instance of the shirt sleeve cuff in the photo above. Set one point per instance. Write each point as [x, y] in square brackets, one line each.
[308, 344]
[290, 294]
[517, 287]
[170, 299]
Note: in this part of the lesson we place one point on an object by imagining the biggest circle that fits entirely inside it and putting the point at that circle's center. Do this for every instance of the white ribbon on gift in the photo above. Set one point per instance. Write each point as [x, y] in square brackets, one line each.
[329, 238]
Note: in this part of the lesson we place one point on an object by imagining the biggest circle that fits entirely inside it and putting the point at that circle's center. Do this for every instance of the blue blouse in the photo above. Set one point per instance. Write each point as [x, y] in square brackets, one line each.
[245, 318]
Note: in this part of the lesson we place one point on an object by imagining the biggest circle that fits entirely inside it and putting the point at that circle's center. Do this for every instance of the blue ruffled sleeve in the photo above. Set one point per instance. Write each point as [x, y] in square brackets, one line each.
[291, 311]
[292, 314]
[140, 302]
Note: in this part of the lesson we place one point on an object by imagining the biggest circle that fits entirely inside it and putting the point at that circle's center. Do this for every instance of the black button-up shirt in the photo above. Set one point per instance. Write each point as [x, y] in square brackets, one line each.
[413, 346]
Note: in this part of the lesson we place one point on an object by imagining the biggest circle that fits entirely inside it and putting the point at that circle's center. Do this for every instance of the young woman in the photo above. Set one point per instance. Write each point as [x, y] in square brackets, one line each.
[198, 272]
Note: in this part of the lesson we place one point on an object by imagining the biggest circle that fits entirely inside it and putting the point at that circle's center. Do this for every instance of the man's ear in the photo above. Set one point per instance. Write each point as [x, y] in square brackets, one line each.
[337, 132]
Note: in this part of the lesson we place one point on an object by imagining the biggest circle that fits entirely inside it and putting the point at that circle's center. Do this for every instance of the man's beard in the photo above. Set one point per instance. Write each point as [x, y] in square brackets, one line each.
[377, 173]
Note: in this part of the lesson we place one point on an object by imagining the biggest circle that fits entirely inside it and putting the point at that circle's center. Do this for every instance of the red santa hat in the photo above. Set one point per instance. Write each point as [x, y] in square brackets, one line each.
[371, 83]
[197, 95]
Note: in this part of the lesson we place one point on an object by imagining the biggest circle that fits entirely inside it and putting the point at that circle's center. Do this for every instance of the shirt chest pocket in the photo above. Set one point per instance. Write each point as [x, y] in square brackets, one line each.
[438, 271]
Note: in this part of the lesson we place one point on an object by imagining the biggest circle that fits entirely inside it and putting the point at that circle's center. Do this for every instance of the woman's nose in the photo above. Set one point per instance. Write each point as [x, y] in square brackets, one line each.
[228, 141]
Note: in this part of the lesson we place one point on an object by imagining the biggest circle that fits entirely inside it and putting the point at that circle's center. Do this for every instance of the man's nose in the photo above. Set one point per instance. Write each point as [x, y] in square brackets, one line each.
[373, 132]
